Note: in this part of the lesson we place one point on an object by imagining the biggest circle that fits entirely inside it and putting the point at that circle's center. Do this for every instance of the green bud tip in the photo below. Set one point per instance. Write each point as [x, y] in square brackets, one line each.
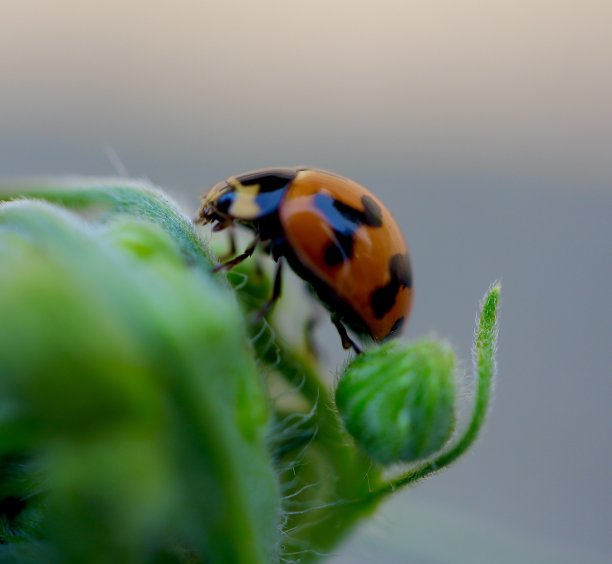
[398, 402]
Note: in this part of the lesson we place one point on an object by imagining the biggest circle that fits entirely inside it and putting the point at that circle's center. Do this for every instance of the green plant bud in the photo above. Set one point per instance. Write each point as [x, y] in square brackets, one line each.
[126, 377]
[398, 402]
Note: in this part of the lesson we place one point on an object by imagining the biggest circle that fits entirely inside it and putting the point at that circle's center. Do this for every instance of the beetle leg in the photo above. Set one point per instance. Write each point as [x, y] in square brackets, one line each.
[347, 342]
[264, 248]
[231, 251]
[222, 224]
[276, 292]
[309, 328]
[228, 264]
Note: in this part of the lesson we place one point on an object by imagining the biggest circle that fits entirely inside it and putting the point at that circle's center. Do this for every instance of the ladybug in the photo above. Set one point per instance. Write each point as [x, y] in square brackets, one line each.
[335, 235]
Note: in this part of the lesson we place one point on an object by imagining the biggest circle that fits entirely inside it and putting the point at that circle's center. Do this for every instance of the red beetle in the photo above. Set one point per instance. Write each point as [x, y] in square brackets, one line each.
[333, 232]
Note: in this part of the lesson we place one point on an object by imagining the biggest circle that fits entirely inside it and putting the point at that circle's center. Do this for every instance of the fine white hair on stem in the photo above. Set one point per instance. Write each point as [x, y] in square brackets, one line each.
[116, 162]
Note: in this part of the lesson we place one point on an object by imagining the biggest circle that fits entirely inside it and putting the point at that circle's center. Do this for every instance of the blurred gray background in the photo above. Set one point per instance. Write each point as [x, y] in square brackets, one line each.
[486, 127]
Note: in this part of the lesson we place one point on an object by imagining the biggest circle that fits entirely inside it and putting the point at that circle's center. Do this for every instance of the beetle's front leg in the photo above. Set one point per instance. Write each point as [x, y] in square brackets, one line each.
[229, 264]
[231, 239]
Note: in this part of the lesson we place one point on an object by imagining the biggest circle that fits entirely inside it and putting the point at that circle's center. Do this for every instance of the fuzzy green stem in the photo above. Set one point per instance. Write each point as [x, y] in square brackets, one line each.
[484, 360]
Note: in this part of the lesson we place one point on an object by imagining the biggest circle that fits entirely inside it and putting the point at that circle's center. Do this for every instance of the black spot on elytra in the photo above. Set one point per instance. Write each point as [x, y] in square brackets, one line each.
[372, 212]
[371, 215]
[333, 255]
[344, 221]
[383, 298]
[399, 268]
[340, 250]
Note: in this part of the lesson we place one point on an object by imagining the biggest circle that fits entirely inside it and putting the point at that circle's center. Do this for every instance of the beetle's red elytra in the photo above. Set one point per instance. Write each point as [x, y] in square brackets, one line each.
[334, 233]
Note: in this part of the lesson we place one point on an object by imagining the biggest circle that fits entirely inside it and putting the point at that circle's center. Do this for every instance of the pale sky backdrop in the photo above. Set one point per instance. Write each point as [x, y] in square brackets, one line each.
[486, 127]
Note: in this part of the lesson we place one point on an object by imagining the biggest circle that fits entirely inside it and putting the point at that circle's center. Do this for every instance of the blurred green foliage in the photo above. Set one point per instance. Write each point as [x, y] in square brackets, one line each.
[145, 418]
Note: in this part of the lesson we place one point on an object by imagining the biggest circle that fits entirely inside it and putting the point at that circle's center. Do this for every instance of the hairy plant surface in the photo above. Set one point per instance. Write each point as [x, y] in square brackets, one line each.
[145, 416]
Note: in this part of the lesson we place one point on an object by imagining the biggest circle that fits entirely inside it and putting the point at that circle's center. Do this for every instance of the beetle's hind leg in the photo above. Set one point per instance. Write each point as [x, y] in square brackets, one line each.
[265, 248]
[347, 342]
[309, 337]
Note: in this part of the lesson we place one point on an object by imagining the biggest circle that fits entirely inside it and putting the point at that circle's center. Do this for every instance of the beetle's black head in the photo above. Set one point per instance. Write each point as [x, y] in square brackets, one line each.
[216, 204]
[246, 198]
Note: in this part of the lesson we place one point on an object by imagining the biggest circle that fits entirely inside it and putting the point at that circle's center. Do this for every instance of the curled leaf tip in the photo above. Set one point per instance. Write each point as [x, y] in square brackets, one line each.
[485, 344]
[486, 332]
